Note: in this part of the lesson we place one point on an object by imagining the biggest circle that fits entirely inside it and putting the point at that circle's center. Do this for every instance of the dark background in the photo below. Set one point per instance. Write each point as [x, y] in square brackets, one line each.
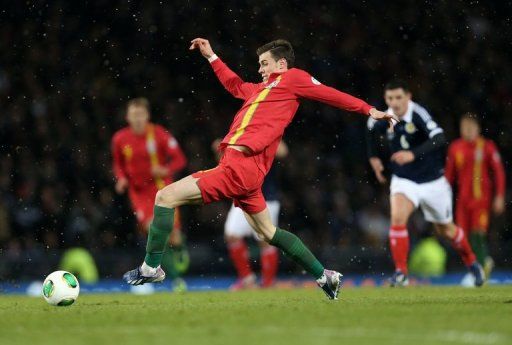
[68, 68]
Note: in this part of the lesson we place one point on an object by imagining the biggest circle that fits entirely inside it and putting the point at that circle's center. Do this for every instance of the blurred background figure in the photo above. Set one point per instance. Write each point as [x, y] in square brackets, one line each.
[146, 158]
[474, 166]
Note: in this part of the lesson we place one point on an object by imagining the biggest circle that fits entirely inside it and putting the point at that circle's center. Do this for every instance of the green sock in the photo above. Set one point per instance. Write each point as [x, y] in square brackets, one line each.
[159, 231]
[479, 244]
[293, 247]
[168, 263]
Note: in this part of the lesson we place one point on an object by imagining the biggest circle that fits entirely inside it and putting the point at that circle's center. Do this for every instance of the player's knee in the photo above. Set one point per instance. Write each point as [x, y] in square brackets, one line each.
[166, 197]
[231, 239]
[398, 219]
[445, 230]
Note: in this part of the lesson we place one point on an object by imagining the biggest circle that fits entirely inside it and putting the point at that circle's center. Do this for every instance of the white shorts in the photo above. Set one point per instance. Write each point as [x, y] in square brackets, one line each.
[434, 197]
[237, 226]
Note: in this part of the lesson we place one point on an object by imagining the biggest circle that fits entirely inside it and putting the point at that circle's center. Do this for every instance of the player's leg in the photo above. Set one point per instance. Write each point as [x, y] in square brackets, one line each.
[291, 245]
[401, 210]
[235, 229]
[436, 204]
[176, 259]
[269, 255]
[403, 201]
[182, 192]
[478, 236]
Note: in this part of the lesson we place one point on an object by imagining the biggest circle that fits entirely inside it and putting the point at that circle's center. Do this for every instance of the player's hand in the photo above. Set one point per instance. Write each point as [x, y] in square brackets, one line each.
[378, 168]
[402, 157]
[380, 115]
[203, 46]
[121, 185]
[498, 205]
[159, 171]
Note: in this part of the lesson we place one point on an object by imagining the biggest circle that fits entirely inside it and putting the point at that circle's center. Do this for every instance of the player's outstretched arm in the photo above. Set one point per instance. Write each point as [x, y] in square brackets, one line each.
[308, 87]
[229, 79]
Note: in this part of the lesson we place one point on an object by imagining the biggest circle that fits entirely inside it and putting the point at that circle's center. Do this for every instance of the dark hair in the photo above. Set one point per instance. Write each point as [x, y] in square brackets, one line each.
[279, 49]
[396, 84]
[139, 102]
[470, 116]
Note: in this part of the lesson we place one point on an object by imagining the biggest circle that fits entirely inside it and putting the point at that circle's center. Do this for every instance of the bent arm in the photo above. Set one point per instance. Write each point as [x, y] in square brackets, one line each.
[436, 142]
[372, 148]
[117, 160]
[230, 80]
[498, 171]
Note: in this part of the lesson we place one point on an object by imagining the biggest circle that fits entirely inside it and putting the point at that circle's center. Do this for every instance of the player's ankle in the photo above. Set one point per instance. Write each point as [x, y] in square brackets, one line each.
[148, 270]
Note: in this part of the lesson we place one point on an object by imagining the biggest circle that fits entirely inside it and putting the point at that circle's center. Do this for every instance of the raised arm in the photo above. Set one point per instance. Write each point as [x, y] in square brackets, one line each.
[304, 85]
[229, 79]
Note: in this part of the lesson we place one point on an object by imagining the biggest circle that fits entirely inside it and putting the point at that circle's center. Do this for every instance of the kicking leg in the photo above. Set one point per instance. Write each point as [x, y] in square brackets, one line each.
[182, 192]
[295, 249]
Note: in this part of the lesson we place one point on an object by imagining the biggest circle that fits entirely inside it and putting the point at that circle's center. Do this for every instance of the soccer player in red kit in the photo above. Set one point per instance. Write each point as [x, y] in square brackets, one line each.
[248, 151]
[474, 165]
[145, 159]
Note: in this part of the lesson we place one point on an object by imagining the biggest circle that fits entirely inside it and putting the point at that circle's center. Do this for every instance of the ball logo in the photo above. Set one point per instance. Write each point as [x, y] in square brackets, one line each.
[314, 81]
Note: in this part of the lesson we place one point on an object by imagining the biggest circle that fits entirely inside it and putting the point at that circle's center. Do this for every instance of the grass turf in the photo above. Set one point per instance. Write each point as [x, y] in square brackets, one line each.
[416, 315]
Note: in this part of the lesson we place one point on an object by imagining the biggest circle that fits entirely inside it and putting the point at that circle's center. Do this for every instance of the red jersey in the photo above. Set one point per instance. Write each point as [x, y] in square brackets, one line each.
[470, 164]
[134, 155]
[269, 107]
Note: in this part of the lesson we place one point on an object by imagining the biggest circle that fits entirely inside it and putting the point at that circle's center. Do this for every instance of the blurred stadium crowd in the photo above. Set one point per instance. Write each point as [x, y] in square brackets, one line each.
[67, 70]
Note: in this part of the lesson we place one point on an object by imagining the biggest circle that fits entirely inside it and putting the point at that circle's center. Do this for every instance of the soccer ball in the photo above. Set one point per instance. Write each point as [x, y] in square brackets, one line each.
[61, 288]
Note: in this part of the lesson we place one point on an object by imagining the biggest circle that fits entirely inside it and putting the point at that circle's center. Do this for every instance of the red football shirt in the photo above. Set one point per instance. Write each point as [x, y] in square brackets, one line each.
[134, 155]
[269, 107]
[471, 165]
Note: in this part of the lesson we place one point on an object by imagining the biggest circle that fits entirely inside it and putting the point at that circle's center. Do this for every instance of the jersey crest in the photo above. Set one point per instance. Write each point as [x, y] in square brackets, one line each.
[410, 128]
[127, 152]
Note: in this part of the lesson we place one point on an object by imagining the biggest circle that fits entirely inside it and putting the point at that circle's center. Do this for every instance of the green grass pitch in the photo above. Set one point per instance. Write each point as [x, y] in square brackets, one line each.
[416, 315]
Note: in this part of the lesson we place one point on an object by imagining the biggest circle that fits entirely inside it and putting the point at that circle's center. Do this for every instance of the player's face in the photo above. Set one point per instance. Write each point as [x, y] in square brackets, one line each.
[137, 118]
[269, 65]
[469, 129]
[397, 100]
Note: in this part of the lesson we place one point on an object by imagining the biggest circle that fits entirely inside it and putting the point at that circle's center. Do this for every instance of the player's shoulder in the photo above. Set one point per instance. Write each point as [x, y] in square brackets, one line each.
[456, 143]
[159, 128]
[490, 144]
[300, 74]
[420, 112]
[120, 134]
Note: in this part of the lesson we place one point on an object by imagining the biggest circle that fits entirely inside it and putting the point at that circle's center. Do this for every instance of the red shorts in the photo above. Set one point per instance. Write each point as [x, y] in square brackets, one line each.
[143, 202]
[472, 215]
[237, 177]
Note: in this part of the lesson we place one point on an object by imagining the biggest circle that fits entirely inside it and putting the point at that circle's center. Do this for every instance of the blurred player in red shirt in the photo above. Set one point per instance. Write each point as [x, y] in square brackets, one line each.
[471, 162]
[145, 159]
